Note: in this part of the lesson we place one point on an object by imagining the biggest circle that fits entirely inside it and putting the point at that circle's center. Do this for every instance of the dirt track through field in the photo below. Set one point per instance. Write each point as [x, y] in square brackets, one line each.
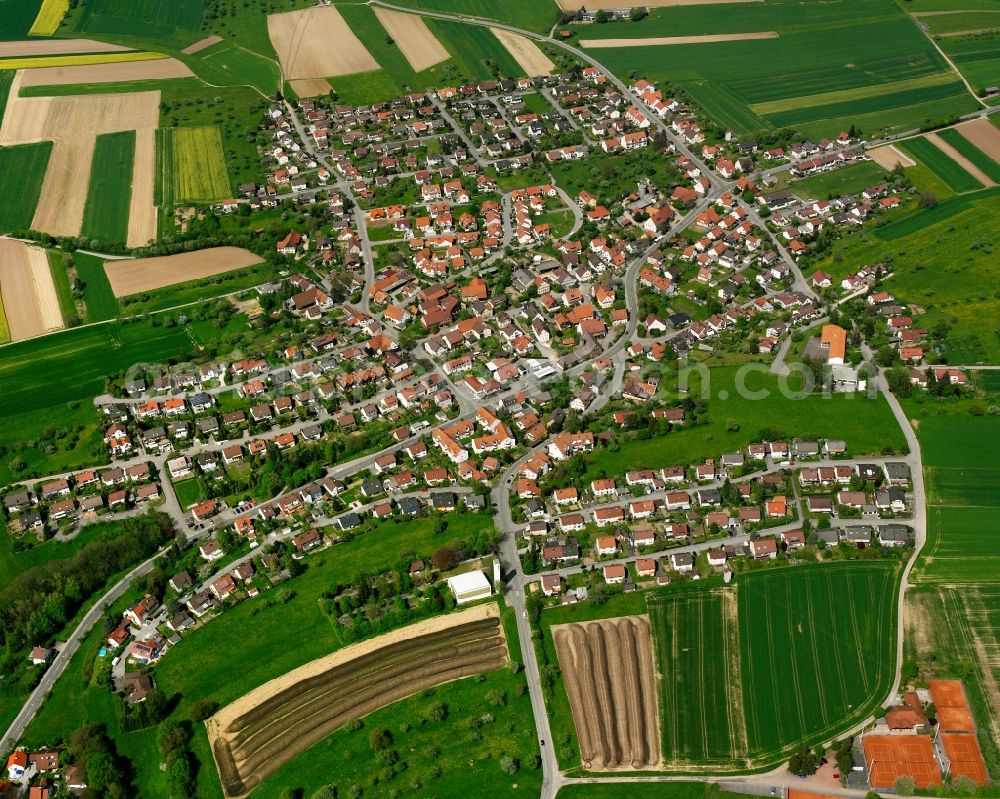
[574, 5]
[960, 159]
[72, 125]
[58, 47]
[531, 59]
[128, 276]
[264, 729]
[158, 69]
[984, 135]
[413, 38]
[888, 156]
[317, 43]
[201, 44]
[609, 673]
[29, 295]
[658, 41]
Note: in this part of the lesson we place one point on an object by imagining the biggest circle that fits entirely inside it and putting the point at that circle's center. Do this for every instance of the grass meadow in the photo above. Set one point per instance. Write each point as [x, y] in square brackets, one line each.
[163, 20]
[22, 170]
[529, 14]
[229, 64]
[941, 164]
[72, 429]
[867, 425]
[105, 216]
[850, 179]
[64, 293]
[944, 262]
[97, 294]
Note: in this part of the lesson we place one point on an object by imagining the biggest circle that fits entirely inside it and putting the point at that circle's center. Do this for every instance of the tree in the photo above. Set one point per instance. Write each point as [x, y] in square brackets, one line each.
[886, 356]
[636, 14]
[601, 17]
[380, 739]
[509, 765]
[904, 785]
[202, 709]
[444, 558]
[803, 763]
[326, 792]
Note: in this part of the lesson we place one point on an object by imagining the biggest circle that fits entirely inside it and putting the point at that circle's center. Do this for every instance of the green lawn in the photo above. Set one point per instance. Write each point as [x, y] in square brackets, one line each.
[846, 180]
[927, 153]
[97, 294]
[188, 492]
[274, 639]
[22, 170]
[106, 214]
[867, 425]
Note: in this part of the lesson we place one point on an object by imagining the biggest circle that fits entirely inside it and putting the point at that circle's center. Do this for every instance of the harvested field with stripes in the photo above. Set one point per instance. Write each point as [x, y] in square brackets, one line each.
[158, 69]
[129, 277]
[608, 669]
[57, 47]
[527, 54]
[413, 38]
[30, 304]
[259, 732]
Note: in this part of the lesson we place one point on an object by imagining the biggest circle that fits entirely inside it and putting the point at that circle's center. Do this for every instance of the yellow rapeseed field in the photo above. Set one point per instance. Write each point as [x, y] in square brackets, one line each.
[76, 60]
[49, 16]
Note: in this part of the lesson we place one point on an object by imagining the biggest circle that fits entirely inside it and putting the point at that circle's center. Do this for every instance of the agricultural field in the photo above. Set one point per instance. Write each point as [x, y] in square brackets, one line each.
[97, 294]
[609, 675]
[49, 16]
[128, 277]
[952, 285]
[751, 669]
[696, 645]
[17, 17]
[30, 303]
[535, 16]
[132, 72]
[22, 170]
[807, 670]
[106, 213]
[162, 20]
[956, 137]
[73, 364]
[941, 164]
[476, 51]
[192, 166]
[258, 733]
[83, 60]
[832, 65]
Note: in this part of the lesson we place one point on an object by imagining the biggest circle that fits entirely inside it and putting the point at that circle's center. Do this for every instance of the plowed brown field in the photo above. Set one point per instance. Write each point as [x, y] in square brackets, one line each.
[261, 731]
[607, 668]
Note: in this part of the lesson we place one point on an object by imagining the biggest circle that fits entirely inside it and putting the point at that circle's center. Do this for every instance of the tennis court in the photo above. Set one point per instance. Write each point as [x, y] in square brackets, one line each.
[953, 711]
[962, 749]
[892, 756]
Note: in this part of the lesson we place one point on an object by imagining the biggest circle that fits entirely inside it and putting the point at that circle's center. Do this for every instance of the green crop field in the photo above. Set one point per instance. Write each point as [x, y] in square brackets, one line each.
[160, 20]
[833, 64]
[73, 364]
[846, 180]
[22, 170]
[965, 147]
[750, 670]
[106, 213]
[97, 295]
[817, 646]
[977, 57]
[192, 165]
[929, 154]
[529, 14]
[697, 649]
[471, 46]
[944, 262]
[16, 17]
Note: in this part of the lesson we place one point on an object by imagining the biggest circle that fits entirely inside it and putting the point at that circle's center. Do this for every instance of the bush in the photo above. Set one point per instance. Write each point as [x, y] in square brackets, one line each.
[509, 765]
